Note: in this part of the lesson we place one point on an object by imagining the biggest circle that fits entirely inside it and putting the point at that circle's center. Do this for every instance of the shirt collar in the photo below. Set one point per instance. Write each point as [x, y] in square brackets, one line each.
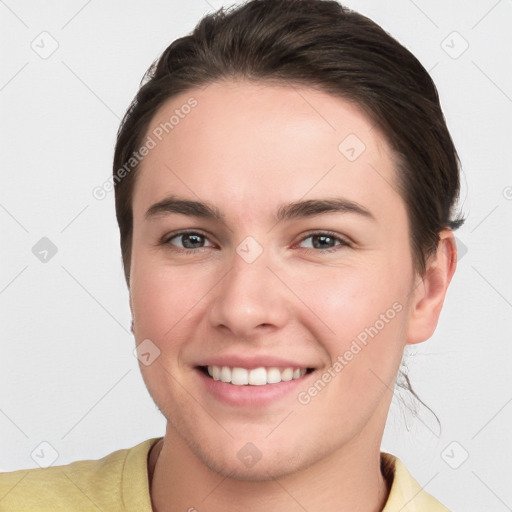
[406, 494]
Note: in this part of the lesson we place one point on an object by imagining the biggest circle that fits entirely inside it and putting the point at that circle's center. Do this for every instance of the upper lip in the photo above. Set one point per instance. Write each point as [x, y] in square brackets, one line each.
[251, 362]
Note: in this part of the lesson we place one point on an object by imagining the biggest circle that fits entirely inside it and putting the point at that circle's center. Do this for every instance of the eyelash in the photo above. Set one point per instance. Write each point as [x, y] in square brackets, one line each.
[343, 243]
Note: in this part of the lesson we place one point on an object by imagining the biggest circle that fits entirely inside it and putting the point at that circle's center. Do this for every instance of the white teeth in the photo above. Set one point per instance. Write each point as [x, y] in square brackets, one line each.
[239, 376]
[273, 375]
[287, 374]
[225, 374]
[255, 377]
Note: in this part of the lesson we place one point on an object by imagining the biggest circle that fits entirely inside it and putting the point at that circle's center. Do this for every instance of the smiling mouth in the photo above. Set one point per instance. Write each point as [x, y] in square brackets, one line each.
[253, 377]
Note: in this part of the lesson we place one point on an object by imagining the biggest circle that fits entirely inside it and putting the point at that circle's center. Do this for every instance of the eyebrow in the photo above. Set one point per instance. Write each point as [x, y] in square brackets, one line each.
[297, 209]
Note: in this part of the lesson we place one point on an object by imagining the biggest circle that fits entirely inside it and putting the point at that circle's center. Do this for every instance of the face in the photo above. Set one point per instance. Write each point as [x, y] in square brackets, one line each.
[302, 260]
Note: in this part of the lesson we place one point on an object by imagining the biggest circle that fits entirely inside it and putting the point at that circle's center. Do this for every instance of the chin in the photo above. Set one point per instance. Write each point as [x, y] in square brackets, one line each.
[262, 471]
[258, 462]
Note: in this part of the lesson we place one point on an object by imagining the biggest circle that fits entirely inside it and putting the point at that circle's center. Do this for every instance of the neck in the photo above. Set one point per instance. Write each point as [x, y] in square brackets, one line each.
[349, 480]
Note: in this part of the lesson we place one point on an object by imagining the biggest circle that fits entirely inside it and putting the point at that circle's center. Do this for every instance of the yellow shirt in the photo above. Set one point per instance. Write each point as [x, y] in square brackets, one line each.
[119, 482]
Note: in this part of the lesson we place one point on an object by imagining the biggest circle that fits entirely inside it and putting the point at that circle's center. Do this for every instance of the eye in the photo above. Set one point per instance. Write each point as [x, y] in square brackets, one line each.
[326, 241]
[191, 241]
[194, 241]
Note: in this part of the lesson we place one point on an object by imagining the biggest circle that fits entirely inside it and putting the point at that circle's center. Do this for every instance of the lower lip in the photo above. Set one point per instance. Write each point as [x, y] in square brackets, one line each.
[247, 395]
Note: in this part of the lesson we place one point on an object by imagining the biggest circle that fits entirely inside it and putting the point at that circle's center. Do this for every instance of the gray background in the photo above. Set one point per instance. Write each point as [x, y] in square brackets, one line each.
[68, 375]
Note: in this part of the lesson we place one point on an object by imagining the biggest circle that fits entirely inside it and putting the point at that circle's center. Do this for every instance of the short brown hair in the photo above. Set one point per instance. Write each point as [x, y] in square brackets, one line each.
[318, 43]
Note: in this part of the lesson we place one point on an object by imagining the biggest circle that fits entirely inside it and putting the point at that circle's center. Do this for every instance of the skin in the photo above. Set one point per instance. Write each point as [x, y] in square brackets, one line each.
[248, 148]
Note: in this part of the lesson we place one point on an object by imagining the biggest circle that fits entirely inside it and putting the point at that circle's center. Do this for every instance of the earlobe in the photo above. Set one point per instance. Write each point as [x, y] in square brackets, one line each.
[428, 296]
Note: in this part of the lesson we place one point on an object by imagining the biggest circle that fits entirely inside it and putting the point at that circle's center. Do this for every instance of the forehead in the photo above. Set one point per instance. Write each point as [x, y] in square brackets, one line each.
[254, 144]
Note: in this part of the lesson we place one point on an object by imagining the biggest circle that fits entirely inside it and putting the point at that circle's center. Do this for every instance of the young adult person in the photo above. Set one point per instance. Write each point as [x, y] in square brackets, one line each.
[285, 185]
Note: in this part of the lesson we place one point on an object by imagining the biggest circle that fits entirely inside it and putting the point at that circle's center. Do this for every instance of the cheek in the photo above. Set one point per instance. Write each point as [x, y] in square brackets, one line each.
[163, 300]
[360, 322]
[347, 300]
[364, 346]
[162, 295]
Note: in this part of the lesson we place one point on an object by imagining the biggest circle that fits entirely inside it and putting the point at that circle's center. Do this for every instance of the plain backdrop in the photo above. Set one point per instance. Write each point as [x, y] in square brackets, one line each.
[68, 375]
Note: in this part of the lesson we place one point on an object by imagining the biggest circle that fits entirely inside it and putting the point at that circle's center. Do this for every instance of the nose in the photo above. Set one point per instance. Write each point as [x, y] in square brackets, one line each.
[249, 299]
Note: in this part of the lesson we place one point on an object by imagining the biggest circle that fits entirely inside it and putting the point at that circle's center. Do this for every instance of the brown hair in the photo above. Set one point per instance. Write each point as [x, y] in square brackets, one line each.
[321, 44]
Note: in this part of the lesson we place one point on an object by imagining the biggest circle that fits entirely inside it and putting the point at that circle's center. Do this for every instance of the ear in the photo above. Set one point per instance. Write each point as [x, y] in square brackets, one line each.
[429, 291]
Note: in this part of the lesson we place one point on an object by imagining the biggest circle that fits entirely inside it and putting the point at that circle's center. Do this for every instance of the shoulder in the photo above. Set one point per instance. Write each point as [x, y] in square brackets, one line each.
[406, 494]
[103, 484]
